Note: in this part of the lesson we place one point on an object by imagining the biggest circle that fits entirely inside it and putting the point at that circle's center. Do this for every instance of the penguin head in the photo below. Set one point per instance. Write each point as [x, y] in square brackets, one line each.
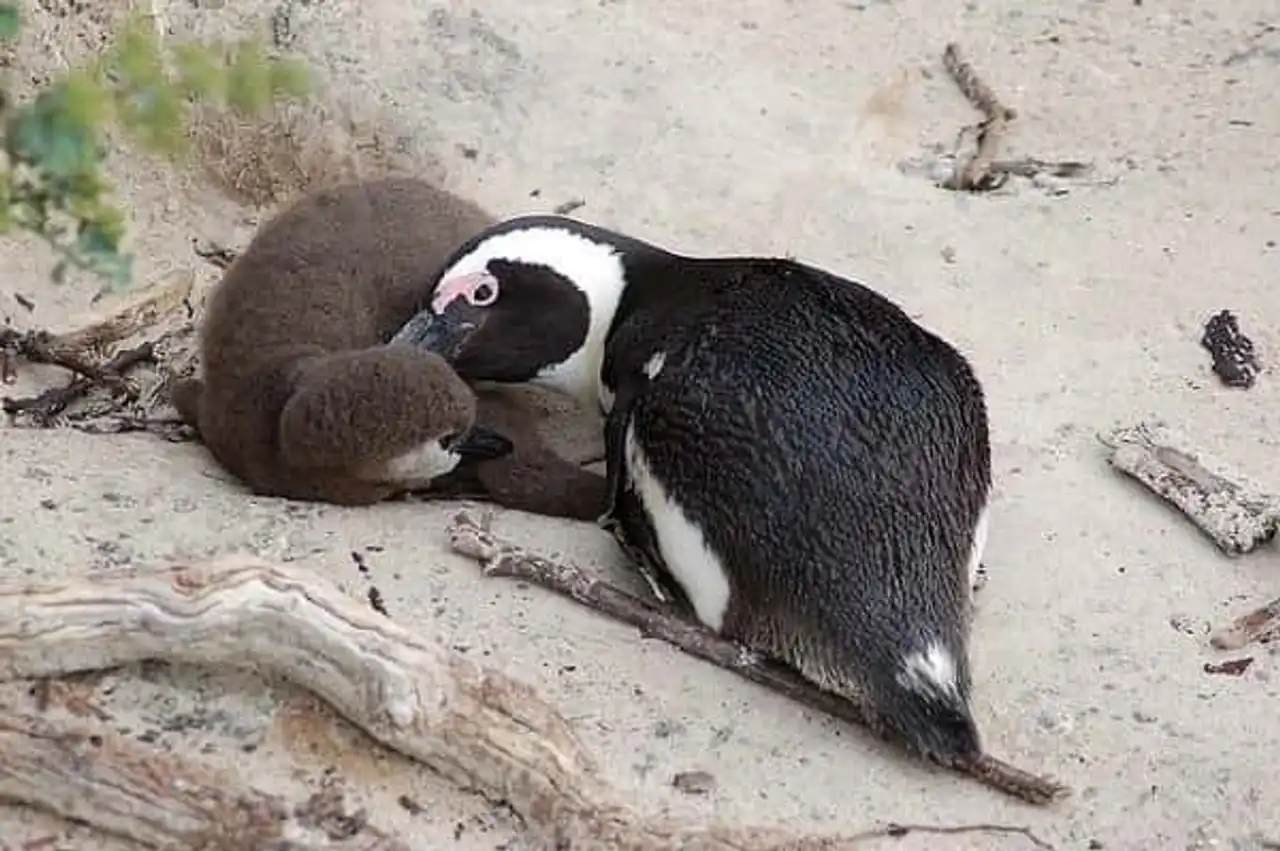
[529, 300]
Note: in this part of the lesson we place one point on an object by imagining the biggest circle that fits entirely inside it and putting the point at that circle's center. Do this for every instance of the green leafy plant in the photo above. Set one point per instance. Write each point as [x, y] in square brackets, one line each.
[52, 183]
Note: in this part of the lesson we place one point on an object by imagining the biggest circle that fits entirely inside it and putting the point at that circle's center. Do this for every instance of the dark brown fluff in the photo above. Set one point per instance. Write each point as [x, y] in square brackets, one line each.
[300, 398]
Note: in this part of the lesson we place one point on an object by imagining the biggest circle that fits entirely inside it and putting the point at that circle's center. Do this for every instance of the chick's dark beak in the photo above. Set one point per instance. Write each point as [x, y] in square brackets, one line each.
[443, 333]
[479, 443]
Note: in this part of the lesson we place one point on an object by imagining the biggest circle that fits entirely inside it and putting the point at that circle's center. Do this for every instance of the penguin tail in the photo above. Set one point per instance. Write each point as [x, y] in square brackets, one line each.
[926, 702]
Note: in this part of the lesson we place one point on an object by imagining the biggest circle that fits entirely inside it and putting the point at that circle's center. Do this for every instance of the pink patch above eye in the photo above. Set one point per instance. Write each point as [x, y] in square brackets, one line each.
[464, 286]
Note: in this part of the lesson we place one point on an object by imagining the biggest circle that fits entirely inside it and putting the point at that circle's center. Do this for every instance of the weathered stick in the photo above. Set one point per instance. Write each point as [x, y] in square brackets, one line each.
[469, 536]
[473, 725]
[75, 350]
[155, 799]
[138, 311]
[44, 408]
[1237, 516]
[83, 351]
[1262, 625]
[975, 174]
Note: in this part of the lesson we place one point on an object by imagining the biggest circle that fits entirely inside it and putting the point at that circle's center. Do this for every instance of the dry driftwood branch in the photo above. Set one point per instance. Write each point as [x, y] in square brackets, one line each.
[105, 400]
[162, 801]
[469, 536]
[1262, 625]
[1235, 514]
[45, 408]
[975, 174]
[471, 724]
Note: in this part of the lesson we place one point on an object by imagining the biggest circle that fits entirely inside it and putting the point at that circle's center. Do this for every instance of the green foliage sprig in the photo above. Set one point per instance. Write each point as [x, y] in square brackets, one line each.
[52, 183]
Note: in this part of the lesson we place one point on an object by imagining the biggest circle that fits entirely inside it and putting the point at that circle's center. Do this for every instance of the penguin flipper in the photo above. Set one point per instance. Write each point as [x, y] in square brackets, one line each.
[625, 517]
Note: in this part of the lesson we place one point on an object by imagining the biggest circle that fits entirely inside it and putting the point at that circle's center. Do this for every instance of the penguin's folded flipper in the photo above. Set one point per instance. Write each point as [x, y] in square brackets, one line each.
[478, 443]
[532, 477]
[352, 409]
[623, 516]
[536, 480]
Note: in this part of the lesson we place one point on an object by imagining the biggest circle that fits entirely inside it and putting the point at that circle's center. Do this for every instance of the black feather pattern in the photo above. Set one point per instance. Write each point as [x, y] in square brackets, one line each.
[834, 454]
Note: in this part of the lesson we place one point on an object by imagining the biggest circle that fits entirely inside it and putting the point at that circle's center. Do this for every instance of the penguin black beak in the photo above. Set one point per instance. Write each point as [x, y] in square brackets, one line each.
[443, 333]
[458, 310]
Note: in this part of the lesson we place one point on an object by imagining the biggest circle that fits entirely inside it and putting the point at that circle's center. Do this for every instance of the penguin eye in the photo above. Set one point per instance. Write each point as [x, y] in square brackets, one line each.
[484, 294]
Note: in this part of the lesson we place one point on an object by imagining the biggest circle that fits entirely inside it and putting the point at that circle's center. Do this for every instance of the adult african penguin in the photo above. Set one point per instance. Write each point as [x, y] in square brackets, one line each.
[788, 452]
[300, 395]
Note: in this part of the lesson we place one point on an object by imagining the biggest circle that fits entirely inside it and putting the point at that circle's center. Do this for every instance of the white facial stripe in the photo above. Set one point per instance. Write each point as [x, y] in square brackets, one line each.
[594, 268]
[606, 399]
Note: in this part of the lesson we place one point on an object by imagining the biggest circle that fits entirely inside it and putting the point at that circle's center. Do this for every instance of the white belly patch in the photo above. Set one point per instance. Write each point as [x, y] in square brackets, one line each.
[682, 545]
[418, 467]
[979, 544]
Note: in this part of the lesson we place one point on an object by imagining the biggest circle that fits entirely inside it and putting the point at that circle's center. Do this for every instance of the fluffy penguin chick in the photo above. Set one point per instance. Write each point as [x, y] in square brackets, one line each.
[788, 452]
[300, 397]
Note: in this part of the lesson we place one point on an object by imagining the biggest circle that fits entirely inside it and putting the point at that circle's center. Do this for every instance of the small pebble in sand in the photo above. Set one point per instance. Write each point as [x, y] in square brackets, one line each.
[694, 782]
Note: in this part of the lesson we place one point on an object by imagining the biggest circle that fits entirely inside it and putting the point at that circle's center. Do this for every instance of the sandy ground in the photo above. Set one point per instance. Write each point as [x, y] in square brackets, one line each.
[766, 126]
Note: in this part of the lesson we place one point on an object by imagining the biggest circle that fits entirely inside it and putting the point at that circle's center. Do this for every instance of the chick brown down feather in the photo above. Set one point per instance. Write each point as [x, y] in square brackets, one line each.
[301, 398]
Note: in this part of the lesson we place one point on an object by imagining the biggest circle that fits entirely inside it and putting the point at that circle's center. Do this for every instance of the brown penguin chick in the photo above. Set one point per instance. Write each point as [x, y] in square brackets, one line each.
[300, 396]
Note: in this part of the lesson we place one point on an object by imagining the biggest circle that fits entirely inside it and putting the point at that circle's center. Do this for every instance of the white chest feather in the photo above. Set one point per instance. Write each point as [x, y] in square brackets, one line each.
[606, 399]
[682, 544]
[979, 545]
[418, 467]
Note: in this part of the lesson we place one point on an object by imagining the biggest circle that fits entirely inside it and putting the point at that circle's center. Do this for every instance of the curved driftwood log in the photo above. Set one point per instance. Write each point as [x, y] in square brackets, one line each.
[158, 800]
[472, 724]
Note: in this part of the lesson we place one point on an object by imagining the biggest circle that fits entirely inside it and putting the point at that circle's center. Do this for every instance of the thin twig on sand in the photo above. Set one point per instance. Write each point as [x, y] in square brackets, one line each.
[469, 536]
[216, 255]
[1262, 625]
[100, 398]
[975, 174]
[981, 171]
[42, 410]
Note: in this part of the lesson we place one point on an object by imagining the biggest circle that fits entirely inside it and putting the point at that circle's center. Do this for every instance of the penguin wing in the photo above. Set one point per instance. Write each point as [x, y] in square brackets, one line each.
[624, 516]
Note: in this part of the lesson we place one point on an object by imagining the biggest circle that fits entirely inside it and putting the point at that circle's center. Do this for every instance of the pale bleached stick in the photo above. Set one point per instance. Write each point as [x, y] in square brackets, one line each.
[1262, 625]
[1237, 515]
[157, 800]
[473, 725]
[975, 174]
